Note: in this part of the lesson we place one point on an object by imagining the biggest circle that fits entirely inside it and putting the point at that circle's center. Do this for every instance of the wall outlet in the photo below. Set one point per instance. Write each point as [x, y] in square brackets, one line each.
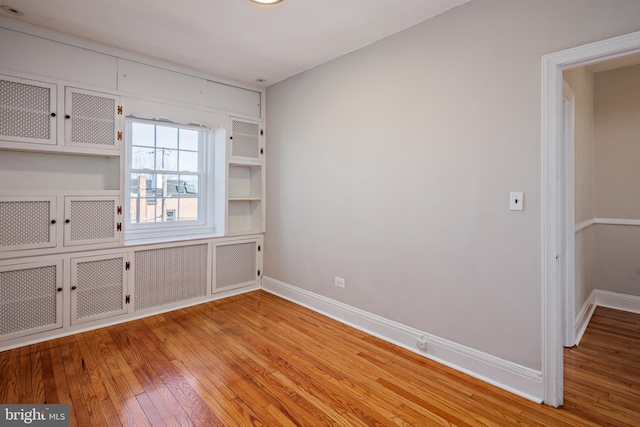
[339, 282]
[422, 343]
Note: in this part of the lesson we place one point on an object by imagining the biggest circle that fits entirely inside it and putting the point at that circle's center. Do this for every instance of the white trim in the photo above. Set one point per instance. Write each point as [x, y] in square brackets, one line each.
[509, 376]
[583, 318]
[584, 224]
[552, 287]
[566, 203]
[616, 221]
[618, 301]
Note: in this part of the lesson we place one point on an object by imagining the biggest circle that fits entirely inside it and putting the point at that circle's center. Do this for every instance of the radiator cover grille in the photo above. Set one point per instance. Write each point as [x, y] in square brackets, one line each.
[164, 276]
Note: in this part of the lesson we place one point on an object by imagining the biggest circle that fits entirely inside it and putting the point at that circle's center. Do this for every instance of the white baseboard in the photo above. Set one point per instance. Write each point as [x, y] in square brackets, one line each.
[618, 301]
[509, 376]
[583, 318]
[615, 300]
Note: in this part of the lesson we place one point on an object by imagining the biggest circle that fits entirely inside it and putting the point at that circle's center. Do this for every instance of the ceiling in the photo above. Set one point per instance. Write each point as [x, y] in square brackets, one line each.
[232, 39]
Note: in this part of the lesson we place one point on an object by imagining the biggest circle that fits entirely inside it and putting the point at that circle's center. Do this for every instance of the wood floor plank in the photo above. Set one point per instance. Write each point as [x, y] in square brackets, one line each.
[257, 360]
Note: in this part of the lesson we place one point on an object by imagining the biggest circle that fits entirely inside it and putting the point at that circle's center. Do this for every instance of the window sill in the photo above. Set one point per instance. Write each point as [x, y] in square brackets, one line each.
[138, 239]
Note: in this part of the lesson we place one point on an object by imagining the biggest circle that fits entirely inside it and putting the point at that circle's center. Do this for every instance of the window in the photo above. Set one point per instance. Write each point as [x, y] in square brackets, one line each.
[168, 172]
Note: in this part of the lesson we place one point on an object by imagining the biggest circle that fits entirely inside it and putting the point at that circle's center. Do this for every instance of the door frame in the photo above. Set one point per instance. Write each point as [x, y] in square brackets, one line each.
[554, 224]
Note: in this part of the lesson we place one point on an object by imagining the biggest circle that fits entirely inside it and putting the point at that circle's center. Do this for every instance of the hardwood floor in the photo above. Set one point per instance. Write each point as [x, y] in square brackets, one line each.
[256, 359]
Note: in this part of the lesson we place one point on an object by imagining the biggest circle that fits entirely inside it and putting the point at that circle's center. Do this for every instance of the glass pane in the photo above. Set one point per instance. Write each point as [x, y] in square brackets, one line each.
[166, 137]
[189, 139]
[142, 134]
[191, 186]
[169, 185]
[166, 159]
[142, 210]
[189, 209]
[142, 157]
[188, 161]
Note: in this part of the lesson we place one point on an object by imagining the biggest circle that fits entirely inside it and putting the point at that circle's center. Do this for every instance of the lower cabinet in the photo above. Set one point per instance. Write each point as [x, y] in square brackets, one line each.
[45, 296]
[237, 264]
[98, 287]
[31, 298]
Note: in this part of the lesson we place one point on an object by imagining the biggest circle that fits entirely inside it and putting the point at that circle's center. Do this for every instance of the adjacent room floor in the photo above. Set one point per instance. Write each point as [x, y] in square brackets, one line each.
[256, 359]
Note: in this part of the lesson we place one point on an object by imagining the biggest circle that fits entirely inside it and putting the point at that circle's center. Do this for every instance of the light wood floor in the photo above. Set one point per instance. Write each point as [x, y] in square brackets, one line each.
[256, 359]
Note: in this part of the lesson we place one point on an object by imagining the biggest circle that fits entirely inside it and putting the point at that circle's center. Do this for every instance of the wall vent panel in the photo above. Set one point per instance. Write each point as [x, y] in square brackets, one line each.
[169, 275]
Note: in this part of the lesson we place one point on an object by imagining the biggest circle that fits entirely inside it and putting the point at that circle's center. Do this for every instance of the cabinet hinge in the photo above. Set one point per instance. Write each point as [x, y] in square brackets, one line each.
[127, 265]
[127, 299]
[261, 132]
[119, 109]
[119, 136]
[259, 248]
[119, 226]
[119, 210]
[258, 273]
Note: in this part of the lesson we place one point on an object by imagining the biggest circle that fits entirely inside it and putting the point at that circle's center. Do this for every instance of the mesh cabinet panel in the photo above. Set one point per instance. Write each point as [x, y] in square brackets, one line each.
[235, 265]
[246, 140]
[93, 119]
[170, 275]
[24, 110]
[99, 287]
[24, 223]
[91, 220]
[28, 298]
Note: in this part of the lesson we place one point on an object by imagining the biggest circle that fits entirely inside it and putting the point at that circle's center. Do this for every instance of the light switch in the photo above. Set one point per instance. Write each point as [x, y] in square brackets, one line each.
[516, 201]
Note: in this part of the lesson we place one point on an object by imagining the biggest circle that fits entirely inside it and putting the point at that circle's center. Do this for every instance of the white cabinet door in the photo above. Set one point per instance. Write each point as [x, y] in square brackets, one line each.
[246, 141]
[27, 223]
[236, 265]
[31, 298]
[92, 119]
[27, 110]
[92, 219]
[98, 287]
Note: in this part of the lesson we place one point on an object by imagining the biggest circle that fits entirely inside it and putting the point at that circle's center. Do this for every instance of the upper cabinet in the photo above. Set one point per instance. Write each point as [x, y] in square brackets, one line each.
[29, 115]
[92, 119]
[27, 110]
[246, 141]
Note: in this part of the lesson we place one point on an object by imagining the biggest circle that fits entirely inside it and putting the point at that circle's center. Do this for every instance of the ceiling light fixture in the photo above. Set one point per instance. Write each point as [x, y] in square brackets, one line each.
[267, 2]
[12, 10]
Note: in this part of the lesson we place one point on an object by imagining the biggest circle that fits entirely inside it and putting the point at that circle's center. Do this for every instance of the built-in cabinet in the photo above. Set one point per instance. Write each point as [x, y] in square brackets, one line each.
[64, 265]
[99, 287]
[31, 298]
[245, 207]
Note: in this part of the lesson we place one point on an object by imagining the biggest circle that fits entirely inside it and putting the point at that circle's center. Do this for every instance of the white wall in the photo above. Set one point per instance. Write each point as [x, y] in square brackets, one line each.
[581, 82]
[392, 166]
[617, 154]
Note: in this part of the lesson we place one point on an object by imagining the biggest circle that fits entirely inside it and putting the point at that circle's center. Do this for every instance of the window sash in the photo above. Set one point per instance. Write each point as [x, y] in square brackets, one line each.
[164, 225]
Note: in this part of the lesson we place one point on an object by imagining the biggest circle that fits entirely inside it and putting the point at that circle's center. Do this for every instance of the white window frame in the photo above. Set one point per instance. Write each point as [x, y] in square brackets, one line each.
[172, 230]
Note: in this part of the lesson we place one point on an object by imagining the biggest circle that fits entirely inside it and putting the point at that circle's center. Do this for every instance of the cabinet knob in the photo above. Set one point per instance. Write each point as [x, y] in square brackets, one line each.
[59, 289]
[53, 221]
[73, 288]
[67, 221]
[67, 116]
[53, 114]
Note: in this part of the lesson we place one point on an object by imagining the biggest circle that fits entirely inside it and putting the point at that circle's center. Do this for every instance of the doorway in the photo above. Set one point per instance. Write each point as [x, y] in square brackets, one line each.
[557, 201]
